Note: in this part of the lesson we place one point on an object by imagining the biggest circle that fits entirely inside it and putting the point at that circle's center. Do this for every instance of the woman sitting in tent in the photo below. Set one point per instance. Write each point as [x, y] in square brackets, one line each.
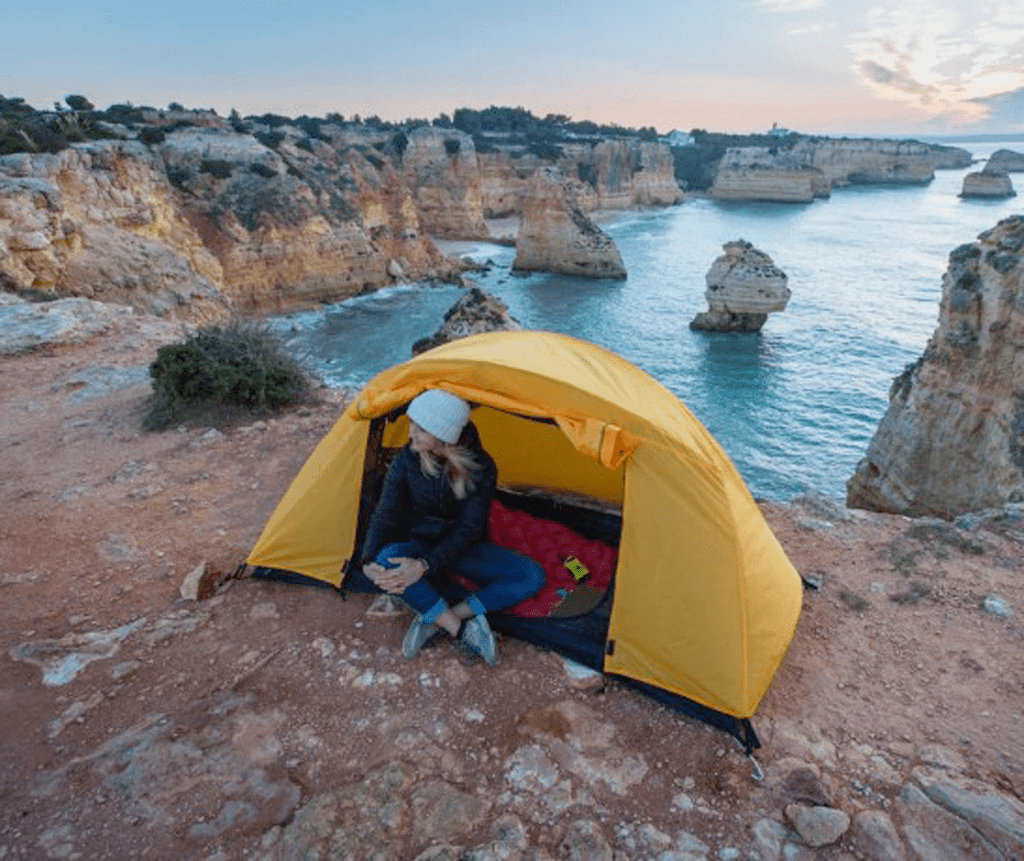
[432, 517]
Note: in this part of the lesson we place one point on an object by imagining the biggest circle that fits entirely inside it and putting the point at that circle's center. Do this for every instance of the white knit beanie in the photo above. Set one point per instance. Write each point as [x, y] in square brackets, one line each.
[440, 414]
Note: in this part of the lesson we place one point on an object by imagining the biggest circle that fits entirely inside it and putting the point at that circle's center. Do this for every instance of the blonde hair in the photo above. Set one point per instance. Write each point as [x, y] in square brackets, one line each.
[459, 465]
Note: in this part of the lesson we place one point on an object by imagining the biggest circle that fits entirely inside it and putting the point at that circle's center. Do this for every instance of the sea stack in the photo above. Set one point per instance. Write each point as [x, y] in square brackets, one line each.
[557, 236]
[474, 312]
[952, 439]
[1005, 160]
[988, 183]
[743, 287]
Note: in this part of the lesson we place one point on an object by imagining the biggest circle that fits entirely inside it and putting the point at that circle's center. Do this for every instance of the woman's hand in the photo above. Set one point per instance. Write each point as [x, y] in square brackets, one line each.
[396, 580]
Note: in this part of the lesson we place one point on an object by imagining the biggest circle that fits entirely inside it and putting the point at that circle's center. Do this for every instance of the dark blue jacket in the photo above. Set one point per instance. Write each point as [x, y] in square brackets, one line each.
[415, 505]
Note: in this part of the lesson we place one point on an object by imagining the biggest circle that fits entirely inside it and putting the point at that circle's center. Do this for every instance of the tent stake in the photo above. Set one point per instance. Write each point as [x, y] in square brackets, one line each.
[757, 773]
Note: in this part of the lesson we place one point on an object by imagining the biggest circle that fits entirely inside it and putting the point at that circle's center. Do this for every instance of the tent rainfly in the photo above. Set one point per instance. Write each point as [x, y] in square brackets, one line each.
[702, 603]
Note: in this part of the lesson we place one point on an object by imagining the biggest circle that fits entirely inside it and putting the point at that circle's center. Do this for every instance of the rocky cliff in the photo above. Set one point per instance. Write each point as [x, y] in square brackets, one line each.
[611, 174]
[557, 236]
[210, 220]
[811, 168]
[952, 439]
[440, 165]
[101, 221]
[211, 217]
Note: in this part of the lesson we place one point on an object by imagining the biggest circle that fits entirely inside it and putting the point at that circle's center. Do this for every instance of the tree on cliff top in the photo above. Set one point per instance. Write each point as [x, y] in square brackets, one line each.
[79, 103]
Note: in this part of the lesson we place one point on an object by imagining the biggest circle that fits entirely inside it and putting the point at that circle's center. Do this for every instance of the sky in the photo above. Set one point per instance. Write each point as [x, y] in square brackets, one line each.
[842, 67]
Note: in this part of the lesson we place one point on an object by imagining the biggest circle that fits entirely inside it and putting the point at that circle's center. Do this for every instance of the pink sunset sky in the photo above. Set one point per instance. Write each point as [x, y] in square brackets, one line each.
[919, 67]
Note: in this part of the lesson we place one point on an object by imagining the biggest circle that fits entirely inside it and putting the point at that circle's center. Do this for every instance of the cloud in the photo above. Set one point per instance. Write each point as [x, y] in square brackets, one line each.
[899, 80]
[1005, 109]
[943, 57]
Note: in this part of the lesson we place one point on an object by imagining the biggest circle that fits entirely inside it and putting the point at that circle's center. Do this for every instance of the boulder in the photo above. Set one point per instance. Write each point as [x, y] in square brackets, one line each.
[952, 439]
[557, 236]
[474, 312]
[987, 183]
[28, 325]
[743, 288]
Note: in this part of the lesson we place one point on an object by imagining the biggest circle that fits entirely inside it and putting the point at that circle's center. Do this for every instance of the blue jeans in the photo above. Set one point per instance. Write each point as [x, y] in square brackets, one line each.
[504, 576]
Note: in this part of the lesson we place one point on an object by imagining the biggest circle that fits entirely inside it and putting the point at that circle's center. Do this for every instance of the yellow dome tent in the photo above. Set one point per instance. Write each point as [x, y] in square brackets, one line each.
[705, 601]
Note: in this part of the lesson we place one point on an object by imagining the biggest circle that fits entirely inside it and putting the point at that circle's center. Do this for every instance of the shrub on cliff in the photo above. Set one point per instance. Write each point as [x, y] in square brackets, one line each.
[216, 167]
[223, 374]
[696, 165]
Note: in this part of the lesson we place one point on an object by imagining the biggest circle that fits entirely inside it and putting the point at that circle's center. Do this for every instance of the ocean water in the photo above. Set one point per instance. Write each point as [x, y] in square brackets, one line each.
[795, 405]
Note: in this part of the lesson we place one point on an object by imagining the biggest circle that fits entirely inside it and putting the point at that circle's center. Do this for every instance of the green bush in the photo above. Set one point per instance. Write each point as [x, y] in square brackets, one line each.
[271, 140]
[150, 135]
[216, 167]
[544, 149]
[223, 374]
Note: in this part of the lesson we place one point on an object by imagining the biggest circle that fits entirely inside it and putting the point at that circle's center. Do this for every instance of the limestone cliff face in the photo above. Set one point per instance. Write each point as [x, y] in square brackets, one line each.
[211, 220]
[634, 173]
[812, 168]
[292, 227]
[743, 287]
[556, 235]
[613, 174]
[845, 162]
[101, 221]
[952, 439]
[986, 183]
[741, 177]
[440, 165]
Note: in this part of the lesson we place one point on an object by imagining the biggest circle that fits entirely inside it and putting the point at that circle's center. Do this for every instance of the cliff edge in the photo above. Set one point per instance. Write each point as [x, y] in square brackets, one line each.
[808, 167]
[952, 439]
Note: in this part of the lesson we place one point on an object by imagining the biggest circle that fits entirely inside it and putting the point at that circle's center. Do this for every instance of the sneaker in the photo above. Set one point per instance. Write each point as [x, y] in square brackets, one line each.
[476, 634]
[418, 634]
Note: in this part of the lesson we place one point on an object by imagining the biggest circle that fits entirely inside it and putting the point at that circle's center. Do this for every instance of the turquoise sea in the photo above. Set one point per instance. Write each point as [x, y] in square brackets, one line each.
[795, 405]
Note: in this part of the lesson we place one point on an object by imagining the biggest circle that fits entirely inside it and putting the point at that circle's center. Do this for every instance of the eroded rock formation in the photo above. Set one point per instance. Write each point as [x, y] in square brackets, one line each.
[474, 312]
[812, 168]
[986, 183]
[101, 221]
[557, 236]
[952, 440]
[613, 174]
[210, 220]
[440, 166]
[743, 287]
[1005, 160]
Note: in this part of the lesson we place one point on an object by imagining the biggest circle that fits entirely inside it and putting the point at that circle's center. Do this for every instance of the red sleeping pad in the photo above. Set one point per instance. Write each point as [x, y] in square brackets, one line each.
[550, 544]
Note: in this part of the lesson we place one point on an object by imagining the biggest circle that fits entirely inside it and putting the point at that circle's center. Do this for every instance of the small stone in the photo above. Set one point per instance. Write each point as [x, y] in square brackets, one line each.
[817, 826]
[996, 606]
[189, 589]
[682, 801]
[581, 677]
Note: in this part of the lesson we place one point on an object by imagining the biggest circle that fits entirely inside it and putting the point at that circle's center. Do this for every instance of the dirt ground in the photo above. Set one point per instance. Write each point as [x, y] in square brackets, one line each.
[101, 523]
